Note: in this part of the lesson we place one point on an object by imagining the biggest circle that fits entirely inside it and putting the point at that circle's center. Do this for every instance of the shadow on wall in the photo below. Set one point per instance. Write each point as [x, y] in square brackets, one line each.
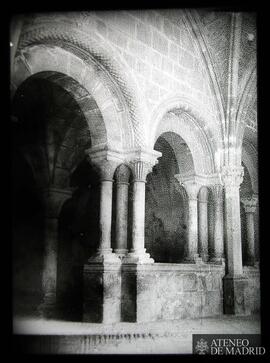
[27, 239]
[78, 240]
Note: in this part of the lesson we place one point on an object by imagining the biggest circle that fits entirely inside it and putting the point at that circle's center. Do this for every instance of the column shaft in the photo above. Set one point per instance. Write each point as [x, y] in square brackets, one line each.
[192, 250]
[233, 231]
[53, 200]
[218, 231]
[105, 216]
[203, 230]
[121, 217]
[218, 246]
[138, 217]
[49, 273]
[250, 238]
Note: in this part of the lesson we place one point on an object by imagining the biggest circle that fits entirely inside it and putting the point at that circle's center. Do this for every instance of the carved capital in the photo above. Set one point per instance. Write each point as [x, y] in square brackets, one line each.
[190, 184]
[105, 161]
[105, 168]
[250, 203]
[122, 174]
[203, 195]
[192, 190]
[140, 169]
[232, 177]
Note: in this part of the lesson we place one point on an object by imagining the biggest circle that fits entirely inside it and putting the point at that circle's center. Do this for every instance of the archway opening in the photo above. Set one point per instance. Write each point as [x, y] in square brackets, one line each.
[50, 135]
[166, 201]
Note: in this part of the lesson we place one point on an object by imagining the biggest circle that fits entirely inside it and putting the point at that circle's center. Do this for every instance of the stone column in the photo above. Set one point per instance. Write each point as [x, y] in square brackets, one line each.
[102, 273]
[106, 169]
[53, 200]
[122, 183]
[192, 190]
[250, 208]
[203, 224]
[218, 246]
[234, 281]
[137, 253]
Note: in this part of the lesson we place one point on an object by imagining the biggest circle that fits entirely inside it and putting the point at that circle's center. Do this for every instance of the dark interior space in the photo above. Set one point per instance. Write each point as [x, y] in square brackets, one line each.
[49, 137]
[165, 223]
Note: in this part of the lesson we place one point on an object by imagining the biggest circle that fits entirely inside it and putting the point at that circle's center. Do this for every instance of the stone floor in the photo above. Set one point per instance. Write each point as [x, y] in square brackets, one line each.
[53, 336]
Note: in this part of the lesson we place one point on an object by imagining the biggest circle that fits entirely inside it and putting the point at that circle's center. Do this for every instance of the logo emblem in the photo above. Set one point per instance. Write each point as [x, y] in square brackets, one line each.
[201, 347]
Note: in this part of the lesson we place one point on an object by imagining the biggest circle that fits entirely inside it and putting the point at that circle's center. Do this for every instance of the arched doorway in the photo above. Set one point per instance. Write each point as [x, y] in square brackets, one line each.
[166, 201]
[49, 141]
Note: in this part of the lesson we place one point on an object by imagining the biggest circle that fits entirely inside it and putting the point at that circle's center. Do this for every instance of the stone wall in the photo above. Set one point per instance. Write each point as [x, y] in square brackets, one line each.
[253, 295]
[171, 291]
[156, 45]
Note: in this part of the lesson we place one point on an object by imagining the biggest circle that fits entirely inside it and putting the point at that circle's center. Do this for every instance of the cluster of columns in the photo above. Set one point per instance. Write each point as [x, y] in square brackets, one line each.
[198, 237]
[109, 167]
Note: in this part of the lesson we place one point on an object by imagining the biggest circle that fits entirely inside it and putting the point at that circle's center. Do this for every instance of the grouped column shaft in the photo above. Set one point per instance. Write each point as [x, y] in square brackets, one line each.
[106, 169]
[218, 246]
[203, 224]
[122, 185]
[232, 178]
[192, 245]
[105, 221]
[250, 208]
[137, 252]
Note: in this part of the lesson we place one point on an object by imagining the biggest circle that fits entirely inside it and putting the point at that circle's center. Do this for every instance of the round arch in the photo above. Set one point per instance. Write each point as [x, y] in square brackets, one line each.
[106, 119]
[179, 115]
[121, 85]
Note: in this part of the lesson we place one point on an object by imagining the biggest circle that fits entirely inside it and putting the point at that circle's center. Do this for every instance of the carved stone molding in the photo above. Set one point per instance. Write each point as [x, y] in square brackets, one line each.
[192, 190]
[122, 174]
[141, 162]
[232, 177]
[250, 203]
[203, 195]
[105, 161]
[140, 170]
[190, 184]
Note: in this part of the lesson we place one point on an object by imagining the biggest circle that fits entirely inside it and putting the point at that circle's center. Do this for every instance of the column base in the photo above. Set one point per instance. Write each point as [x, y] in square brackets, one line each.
[195, 258]
[102, 293]
[48, 309]
[217, 260]
[120, 252]
[204, 257]
[138, 257]
[250, 262]
[104, 257]
[234, 295]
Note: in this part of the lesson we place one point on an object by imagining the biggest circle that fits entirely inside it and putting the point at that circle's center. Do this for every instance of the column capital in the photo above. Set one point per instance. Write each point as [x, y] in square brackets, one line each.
[232, 176]
[140, 169]
[53, 200]
[203, 195]
[142, 161]
[105, 160]
[122, 174]
[250, 203]
[190, 184]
